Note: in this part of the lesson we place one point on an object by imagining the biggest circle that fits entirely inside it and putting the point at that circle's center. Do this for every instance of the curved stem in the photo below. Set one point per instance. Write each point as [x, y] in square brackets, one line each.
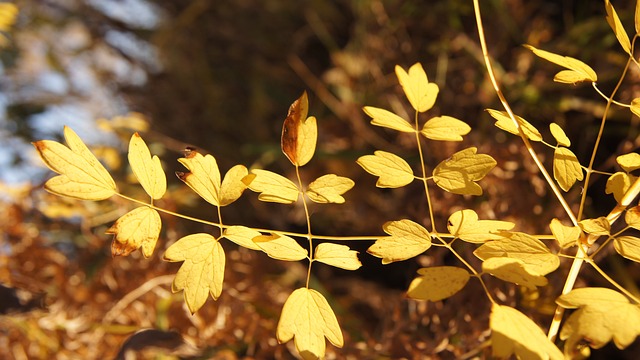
[309, 236]
[595, 86]
[424, 174]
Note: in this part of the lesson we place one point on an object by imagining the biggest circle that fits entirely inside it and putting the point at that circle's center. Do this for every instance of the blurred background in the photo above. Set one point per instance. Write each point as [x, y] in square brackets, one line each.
[220, 76]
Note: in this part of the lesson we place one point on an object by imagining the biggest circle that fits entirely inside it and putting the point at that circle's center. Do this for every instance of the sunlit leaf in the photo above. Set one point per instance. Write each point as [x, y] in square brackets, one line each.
[81, 174]
[567, 236]
[513, 333]
[566, 168]
[329, 189]
[459, 173]
[583, 72]
[308, 319]
[147, 169]
[629, 162]
[504, 122]
[464, 224]
[202, 272]
[599, 226]
[536, 257]
[445, 128]
[421, 93]
[407, 239]
[437, 283]
[273, 187]
[602, 315]
[393, 171]
[232, 185]
[242, 236]
[632, 217]
[385, 118]
[618, 29]
[280, 247]
[204, 175]
[337, 255]
[513, 270]
[618, 184]
[139, 227]
[628, 246]
[559, 135]
[635, 103]
[299, 133]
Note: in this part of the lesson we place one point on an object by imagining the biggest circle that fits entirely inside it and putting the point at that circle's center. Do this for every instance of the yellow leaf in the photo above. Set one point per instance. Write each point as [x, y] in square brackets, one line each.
[280, 247]
[232, 185]
[408, 239]
[629, 162]
[242, 236]
[8, 13]
[299, 133]
[618, 184]
[138, 227]
[388, 119]
[599, 226]
[618, 29]
[514, 333]
[337, 255]
[513, 270]
[536, 257]
[559, 135]
[273, 187]
[584, 71]
[393, 171]
[204, 175]
[308, 319]
[628, 246]
[602, 315]
[437, 283]
[202, 272]
[420, 92]
[81, 174]
[635, 103]
[504, 122]
[445, 128]
[464, 224]
[567, 236]
[458, 174]
[632, 217]
[329, 189]
[566, 168]
[147, 169]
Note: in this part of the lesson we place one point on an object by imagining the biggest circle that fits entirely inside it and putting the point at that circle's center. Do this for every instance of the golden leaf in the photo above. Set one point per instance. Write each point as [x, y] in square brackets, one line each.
[566, 168]
[504, 122]
[337, 255]
[513, 270]
[202, 272]
[139, 227]
[632, 217]
[635, 103]
[459, 173]
[388, 119]
[579, 70]
[599, 226]
[273, 187]
[618, 29]
[232, 185]
[437, 283]
[393, 171]
[242, 236]
[408, 239]
[445, 128]
[566, 236]
[421, 93]
[464, 224]
[280, 247]
[629, 162]
[308, 319]
[299, 133]
[147, 169]
[204, 175]
[329, 189]
[537, 258]
[559, 135]
[618, 184]
[628, 246]
[514, 333]
[81, 174]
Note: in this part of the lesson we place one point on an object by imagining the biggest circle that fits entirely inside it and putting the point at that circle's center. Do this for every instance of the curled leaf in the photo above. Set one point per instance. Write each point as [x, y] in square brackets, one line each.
[337, 255]
[420, 92]
[232, 185]
[513, 270]
[273, 187]
[147, 169]
[299, 133]
[242, 236]
[618, 184]
[566, 236]
[629, 162]
[628, 247]
[204, 176]
[559, 135]
[618, 29]
[599, 226]
[459, 173]
[437, 283]
[280, 247]
[465, 225]
[139, 227]
[394, 171]
[579, 70]
[385, 118]
[504, 122]
[329, 189]
[407, 239]
[537, 257]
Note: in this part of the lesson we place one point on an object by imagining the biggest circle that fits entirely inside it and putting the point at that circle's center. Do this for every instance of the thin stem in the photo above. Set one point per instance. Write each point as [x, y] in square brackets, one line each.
[168, 211]
[613, 282]
[309, 236]
[424, 174]
[220, 225]
[595, 86]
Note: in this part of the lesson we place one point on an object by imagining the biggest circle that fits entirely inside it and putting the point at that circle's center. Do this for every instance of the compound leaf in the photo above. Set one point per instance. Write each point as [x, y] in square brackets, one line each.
[299, 133]
[628, 246]
[566, 168]
[566, 236]
[202, 272]
[147, 169]
[308, 319]
[232, 185]
[437, 283]
[421, 93]
[504, 122]
[204, 175]
[385, 118]
[464, 224]
[280, 247]
[581, 71]
[329, 189]
[407, 239]
[81, 174]
[559, 135]
[459, 173]
[273, 187]
[242, 236]
[536, 257]
[514, 333]
[629, 162]
[618, 29]
[445, 128]
[513, 270]
[337, 255]
[139, 227]
[393, 171]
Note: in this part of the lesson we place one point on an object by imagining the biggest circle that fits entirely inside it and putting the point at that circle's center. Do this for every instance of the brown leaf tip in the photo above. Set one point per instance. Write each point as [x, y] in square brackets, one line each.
[189, 152]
